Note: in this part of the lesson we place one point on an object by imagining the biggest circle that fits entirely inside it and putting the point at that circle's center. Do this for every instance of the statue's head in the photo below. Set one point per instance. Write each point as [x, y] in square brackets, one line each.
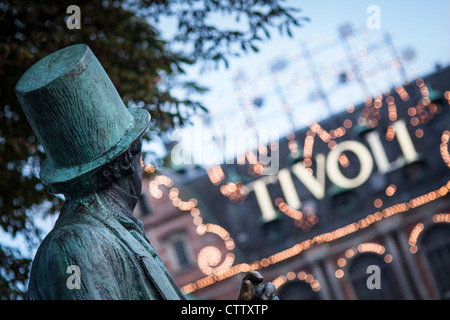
[90, 138]
[124, 171]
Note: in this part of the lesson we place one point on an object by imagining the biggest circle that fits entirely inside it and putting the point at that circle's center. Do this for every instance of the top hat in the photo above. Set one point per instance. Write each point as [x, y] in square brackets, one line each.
[77, 115]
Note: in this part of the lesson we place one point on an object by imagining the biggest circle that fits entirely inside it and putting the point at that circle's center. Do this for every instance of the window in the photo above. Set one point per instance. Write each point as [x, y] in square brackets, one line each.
[179, 251]
[297, 290]
[345, 203]
[358, 277]
[436, 249]
[415, 171]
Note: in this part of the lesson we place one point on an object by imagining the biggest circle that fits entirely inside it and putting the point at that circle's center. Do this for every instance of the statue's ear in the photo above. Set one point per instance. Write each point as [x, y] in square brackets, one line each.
[136, 146]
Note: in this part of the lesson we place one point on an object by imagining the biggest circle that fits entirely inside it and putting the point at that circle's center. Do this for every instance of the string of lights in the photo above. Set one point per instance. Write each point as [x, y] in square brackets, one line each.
[370, 115]
[444, 147]
[304, 220]
[302, 276]
[323, 238]
[209, 258]
[418, 228]
[218, 267]
[414, 235]
[352, 253]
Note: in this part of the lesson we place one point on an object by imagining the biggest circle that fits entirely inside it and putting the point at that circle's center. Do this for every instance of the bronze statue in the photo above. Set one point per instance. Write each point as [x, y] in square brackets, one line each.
[97, 248]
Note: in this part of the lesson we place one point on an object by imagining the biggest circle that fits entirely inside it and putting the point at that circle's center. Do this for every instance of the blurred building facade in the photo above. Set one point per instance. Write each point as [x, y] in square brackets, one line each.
[359, 207]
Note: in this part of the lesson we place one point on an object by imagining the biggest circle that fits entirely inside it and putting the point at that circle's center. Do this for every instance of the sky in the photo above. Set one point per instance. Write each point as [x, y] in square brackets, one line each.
[417, 25]
[422, 26]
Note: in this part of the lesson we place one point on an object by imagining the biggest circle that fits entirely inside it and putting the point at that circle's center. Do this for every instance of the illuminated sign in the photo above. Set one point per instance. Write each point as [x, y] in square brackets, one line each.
[329, 166]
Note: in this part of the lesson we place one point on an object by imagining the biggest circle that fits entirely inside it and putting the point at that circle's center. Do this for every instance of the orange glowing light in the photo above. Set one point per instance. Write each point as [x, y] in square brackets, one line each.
[378, 203]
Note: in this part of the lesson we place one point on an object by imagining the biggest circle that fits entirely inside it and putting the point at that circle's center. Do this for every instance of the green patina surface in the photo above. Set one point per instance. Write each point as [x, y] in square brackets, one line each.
[114, 256]
[83, 125]
[76, 113]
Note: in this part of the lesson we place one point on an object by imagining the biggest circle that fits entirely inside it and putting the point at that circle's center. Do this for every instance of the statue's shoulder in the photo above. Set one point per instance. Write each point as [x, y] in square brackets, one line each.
[78, 246]
[73, 239]
[76, 226]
